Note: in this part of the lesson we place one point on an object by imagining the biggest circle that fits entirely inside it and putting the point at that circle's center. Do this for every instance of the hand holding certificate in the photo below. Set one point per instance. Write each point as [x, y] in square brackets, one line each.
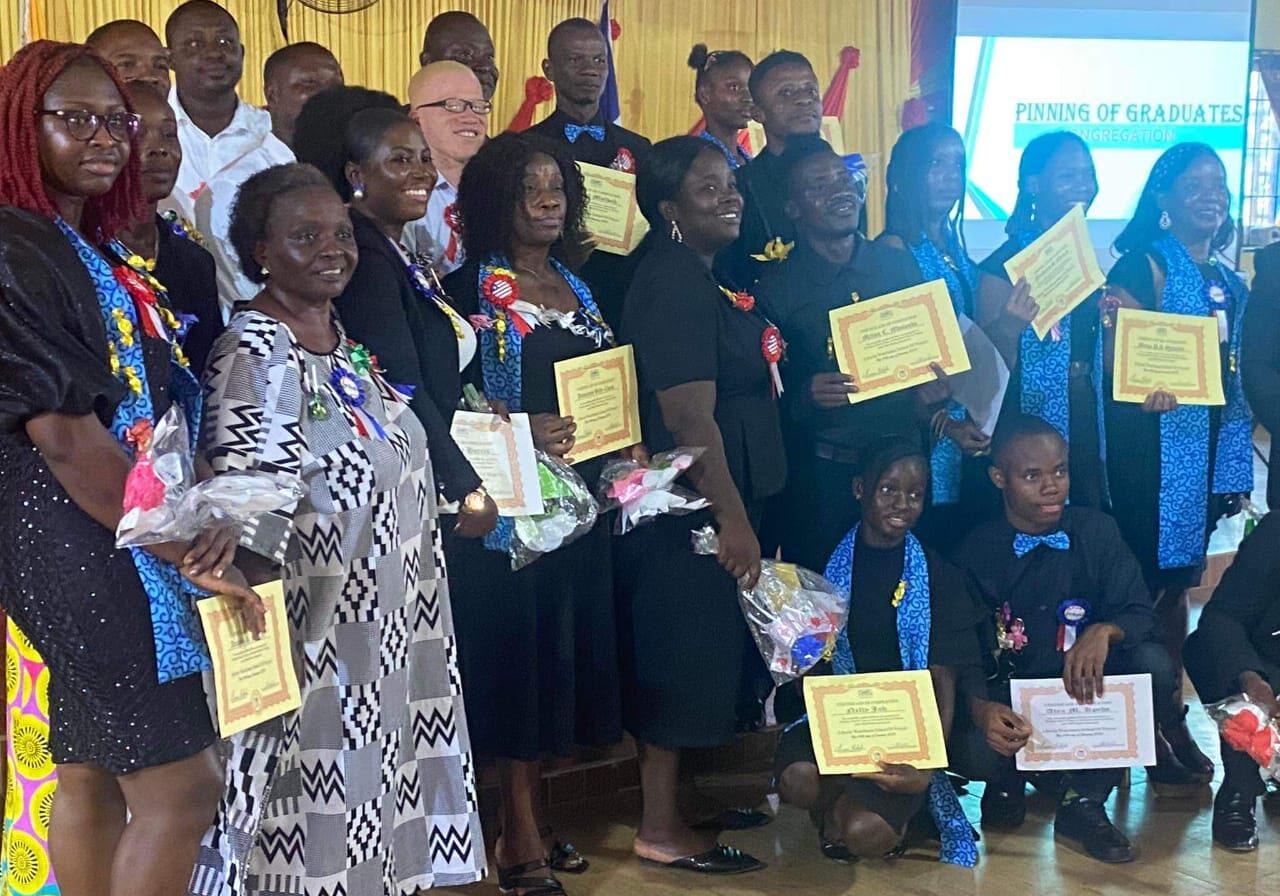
[890, 343]
[1060, 267]
[1174, 353]
[600, 393]
[1116, 729]
[253, 679]
[502, 453]
[612, 215]
[859, 722]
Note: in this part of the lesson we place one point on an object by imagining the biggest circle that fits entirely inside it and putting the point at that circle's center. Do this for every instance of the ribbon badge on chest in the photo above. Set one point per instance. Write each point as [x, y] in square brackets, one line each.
[772, 347]
[1073, 615]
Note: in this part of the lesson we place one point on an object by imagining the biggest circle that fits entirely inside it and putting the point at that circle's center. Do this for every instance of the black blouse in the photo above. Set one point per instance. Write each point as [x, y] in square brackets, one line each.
[685, 330]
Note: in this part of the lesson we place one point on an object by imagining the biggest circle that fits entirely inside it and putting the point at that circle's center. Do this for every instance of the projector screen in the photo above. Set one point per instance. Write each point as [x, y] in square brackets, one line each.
[1132, 77]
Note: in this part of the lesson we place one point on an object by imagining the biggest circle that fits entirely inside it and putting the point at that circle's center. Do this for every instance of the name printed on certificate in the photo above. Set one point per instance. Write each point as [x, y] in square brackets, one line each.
[858, 722]
[1116, 729]
[1174, 353]
[253, 679]
[612, 215]
[1061, 268]
[503, 455]
[600, 393]
[888, 343]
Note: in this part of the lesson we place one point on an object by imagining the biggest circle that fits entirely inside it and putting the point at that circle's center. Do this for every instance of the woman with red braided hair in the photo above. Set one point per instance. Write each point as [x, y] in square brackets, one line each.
[83, 366]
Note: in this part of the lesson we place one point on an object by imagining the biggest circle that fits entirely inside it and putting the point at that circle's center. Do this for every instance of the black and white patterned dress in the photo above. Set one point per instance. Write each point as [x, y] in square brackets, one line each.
[368, 788]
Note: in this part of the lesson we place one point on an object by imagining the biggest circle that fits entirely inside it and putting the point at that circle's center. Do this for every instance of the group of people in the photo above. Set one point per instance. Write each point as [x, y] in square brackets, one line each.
[316, 284]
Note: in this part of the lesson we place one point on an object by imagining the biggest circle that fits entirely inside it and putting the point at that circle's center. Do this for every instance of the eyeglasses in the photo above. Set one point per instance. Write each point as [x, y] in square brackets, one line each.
[82, 125]
[454, 105]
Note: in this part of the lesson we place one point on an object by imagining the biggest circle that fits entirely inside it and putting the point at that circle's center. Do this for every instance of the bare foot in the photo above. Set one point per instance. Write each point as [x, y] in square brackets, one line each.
[676, 845]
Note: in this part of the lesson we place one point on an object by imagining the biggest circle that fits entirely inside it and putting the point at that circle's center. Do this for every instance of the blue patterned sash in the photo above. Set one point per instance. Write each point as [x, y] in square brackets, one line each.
[914, 627]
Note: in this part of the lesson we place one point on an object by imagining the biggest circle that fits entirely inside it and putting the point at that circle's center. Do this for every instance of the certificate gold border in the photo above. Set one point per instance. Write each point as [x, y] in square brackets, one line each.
[497, 424]
[1131, 323]
[830, 759]
[632, 231]
[621, 360]
[1082, 753]
[220, 621]
[1077, 235]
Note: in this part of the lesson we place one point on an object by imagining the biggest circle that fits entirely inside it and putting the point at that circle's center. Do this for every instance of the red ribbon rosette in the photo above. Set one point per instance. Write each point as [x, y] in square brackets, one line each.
[452, 218]
[771, 344]
[624, 161]
[500, 288]
[144, 298]
[745, 301]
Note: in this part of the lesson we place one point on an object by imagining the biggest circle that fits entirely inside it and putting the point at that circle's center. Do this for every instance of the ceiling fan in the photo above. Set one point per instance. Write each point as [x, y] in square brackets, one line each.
[333, 7]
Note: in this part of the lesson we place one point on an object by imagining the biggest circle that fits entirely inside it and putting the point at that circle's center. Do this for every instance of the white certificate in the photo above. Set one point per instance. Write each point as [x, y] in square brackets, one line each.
[503, 456]
[1117, 729]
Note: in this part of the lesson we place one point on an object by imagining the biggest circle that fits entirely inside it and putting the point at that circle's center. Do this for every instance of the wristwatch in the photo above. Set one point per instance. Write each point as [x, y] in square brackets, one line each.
[476, 501]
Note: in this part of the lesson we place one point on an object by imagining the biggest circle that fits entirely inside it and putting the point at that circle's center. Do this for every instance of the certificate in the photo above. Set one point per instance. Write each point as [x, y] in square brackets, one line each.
[1175, 353]
[860, 721]
[253, 679]
[612, 215]
[599, 392]
[503, 456]
[1116, 729]
[1060, 267]
[887, 344]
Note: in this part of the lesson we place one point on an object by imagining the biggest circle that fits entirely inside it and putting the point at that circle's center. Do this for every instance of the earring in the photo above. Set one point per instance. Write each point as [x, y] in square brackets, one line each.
[264, 272]
[675, 232]
[358, 192]
[1165, 221]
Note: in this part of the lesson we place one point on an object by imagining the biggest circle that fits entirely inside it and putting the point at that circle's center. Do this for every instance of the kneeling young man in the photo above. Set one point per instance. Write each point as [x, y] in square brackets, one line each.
[1071, 600]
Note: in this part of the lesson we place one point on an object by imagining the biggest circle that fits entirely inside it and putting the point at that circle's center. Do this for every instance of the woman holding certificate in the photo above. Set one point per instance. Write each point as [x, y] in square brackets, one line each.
[707, 362]
[355, 790]
[538, 645]
[1175, 467]
[1054, 378]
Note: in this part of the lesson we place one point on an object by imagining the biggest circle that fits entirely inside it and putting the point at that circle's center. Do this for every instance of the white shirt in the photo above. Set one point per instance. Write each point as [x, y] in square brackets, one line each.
[213, 168]
[432, 235]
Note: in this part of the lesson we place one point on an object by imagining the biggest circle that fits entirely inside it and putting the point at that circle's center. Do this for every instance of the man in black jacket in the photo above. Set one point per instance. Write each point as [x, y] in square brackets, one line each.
[1237, 648]
[1260, 353]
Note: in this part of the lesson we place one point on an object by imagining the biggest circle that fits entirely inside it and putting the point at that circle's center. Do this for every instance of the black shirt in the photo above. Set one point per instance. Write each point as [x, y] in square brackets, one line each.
[1098, 571]
[797, 295]
[609, 275]
[764, 193]
[189, 276]
[1260, 354]
[685, 330]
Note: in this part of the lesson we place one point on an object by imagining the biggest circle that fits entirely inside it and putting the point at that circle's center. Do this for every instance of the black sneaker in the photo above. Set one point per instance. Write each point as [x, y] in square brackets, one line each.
[1084, 822]
[1004, 804]
[1234, 825]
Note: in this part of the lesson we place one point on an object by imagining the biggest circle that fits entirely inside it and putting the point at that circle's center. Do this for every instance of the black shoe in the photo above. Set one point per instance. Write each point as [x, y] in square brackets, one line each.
[1169, 777]
[1234, 825]
[1004, 804]
[1188, 751]
[719, 859]
[1084, 822]
[835, 850]
[736, 819]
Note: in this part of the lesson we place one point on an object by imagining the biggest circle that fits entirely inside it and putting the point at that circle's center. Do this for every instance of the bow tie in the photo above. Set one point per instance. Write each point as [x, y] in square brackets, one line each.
[573, 131]
[1024, 544]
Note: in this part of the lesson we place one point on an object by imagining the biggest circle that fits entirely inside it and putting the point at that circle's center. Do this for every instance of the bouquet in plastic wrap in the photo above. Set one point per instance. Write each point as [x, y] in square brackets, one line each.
[643, 492]
[795, 615]
[1248, 727]
[569, 512]
[163, 502]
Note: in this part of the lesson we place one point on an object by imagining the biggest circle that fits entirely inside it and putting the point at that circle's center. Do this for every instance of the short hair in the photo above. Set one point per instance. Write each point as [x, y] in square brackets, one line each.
[251, 211]
[799, 148]
[23, 84]
[319, 137]
[662, 172]
[492, 185]
[776, 59]
[704, 62]
[1017, 427]
[906, 209]
[1144, 227]
[1035, 158]
[192, 6]
[361, 137]
[563, 29]
[288, 54]
[877, 456]
[433, 70]
[97, 35]
[443, 21]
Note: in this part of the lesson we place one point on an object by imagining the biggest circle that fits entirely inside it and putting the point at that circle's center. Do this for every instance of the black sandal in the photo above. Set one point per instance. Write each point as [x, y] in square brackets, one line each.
[736, 819]
[835, 850]
[564, 856]
[513, 878]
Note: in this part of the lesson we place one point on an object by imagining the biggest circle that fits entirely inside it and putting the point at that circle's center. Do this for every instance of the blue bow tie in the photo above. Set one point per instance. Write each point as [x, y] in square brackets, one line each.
[1024, 544]
[573, 131]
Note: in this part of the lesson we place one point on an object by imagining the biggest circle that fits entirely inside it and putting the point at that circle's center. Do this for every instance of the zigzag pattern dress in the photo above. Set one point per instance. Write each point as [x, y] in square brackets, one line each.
[369, 788]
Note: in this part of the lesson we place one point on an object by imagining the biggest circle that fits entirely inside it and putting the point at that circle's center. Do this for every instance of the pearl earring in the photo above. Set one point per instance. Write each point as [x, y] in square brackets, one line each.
[358, 192]
[265, 272]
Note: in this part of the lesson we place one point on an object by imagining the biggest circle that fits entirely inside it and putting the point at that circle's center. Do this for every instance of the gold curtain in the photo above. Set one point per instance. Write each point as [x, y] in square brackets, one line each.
[378, 47]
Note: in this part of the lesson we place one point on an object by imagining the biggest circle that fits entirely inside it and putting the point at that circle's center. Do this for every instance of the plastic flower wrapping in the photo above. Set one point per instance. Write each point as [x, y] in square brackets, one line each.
[1247, 727]
[569, 512]
[163, 502]
[642, 493]
[795, 615]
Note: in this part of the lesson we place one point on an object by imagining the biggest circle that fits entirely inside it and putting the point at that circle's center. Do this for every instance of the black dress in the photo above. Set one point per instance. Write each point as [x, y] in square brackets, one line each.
[538, 647]
[190, 276]
[682, 632]
[62, 580]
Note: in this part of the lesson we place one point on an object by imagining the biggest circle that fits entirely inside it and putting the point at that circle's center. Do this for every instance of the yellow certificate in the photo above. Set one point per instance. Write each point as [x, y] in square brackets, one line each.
[612, 215]
[502, 453]
[887, 344]
[253, 680]
[1060, 267]
[599, 392]
[860, 721]
[1175, 353]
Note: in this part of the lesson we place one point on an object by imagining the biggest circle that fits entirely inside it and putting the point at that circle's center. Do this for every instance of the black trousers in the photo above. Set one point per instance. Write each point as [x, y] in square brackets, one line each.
[972, 758]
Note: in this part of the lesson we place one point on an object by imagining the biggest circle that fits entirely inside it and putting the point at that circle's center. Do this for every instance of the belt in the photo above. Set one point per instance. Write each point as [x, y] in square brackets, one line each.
[1080, 369]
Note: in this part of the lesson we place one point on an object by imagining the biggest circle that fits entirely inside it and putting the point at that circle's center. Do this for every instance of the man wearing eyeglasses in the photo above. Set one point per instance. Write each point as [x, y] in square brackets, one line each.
[224, 139]
[447, 101]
